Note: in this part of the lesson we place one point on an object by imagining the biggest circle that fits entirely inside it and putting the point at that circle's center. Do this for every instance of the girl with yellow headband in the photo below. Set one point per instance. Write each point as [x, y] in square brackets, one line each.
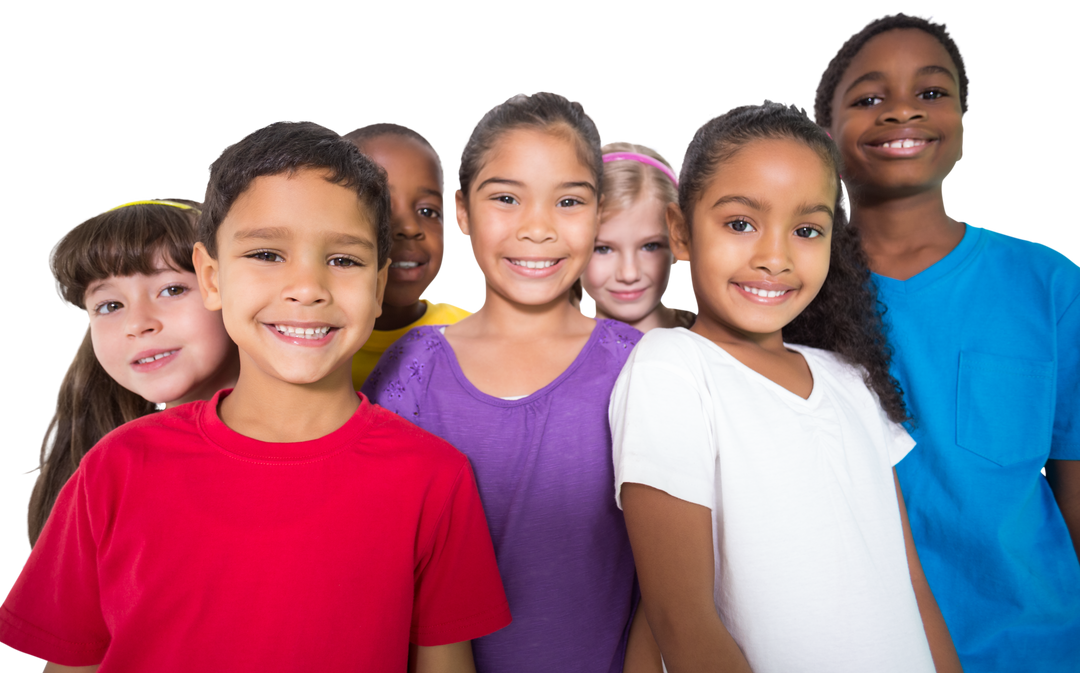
[150, 341]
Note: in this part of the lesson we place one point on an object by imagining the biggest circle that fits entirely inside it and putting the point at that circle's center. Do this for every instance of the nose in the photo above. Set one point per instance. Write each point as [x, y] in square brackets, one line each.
[142, 320]
[902, 110]
[306, 284]
[403, 224]
[771, 253]
[628, 271]
[537, 225]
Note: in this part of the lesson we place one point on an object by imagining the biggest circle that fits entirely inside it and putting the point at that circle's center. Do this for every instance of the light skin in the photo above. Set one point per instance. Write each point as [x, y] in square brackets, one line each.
[763, 224]
[903, 84]
[153, 336]
[300, 252]
[532, 203]
[630, 266]
[416, 225]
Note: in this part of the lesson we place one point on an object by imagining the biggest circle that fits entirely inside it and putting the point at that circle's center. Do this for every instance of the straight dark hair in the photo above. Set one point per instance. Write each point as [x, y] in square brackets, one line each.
[131, 240]
[845, 317]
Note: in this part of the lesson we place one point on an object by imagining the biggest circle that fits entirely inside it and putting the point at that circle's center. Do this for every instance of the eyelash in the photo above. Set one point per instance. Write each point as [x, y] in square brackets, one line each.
[731, 225]
[261, 255]
[351, 262]
[929, 94]
[430, 213]
[571, 201]
[97, 309]
[816, 232]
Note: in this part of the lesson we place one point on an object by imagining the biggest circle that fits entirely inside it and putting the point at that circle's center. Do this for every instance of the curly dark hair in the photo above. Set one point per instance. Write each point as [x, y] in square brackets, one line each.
[541, 110]
[845, 317]
[839, 64]
[286, 147]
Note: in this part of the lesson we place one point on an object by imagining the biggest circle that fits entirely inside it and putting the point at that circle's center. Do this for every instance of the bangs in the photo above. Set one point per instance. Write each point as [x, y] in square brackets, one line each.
[132, 240]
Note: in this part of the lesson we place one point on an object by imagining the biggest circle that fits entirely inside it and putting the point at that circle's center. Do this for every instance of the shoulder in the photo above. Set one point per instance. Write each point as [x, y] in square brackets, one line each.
[156, 433]
[406, 361]
[443, 314]
[616, 338]
[408, 442]
[832, 364]
[1013, 254]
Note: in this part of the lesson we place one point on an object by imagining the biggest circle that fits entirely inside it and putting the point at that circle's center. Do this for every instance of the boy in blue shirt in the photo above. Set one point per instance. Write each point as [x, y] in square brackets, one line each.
[986, 330]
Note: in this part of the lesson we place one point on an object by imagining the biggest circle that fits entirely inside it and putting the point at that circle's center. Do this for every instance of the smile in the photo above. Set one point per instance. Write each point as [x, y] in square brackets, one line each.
[768, 294]
[903, 143]
[404, 265]
[302, 332]
[534, 264]
[148, 360]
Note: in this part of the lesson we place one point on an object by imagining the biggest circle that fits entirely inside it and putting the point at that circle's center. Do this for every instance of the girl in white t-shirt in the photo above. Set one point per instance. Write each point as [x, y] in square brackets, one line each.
[631, 261]
[756, 475]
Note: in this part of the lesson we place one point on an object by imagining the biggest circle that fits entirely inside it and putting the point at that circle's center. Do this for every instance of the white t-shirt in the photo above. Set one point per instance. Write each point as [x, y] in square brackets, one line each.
[811, 570]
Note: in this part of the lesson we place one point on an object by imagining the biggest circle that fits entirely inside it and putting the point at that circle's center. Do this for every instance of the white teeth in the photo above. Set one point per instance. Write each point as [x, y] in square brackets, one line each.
[530, 264]
[303, 332]
[764, 293]
[902, 144]
[404, 265]
[155, 357]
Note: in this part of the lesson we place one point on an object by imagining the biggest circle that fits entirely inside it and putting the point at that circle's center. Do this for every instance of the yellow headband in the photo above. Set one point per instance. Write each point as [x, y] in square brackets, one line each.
[152, 202]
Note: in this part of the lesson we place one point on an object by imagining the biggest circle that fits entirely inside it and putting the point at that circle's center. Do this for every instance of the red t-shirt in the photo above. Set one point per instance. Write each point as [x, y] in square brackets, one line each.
[180, 545]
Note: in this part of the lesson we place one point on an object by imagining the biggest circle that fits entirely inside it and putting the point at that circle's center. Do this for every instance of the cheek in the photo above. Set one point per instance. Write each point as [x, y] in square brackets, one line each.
[108, 347]
[599, 270]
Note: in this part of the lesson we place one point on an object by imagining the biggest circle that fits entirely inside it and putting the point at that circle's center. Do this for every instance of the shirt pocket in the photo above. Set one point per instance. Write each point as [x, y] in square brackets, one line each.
[1004, 407]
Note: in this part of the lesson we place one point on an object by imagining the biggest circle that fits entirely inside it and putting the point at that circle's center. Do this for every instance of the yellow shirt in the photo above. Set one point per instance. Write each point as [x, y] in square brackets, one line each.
[368, 356]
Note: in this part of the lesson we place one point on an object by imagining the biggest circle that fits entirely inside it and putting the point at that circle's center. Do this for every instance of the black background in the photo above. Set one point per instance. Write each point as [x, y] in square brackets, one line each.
[140, 112]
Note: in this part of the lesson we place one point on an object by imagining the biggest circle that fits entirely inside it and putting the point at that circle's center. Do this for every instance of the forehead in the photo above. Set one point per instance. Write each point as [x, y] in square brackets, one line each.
[401, 156]
[536, 150]
[779, 168]
[899, 51]
[643, 219]
[299, 203]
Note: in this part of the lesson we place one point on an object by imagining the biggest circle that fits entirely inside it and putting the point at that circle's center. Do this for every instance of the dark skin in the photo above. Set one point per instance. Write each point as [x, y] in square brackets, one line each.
[904, 85]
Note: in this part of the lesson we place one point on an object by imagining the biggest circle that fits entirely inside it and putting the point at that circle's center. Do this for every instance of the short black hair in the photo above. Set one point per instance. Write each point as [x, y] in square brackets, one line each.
[365, 133]
[839, 64]
[541, 110]
[287, 147]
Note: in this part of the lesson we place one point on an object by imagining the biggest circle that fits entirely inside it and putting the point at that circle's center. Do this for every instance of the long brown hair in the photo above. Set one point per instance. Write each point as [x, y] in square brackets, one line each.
[130, 240]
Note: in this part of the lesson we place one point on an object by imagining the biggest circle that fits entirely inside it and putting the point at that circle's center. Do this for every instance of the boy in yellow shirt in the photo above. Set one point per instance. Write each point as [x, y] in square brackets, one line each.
[414, 173]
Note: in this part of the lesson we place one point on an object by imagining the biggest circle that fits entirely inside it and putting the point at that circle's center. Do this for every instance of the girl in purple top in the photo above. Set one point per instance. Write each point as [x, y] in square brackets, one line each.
[522, 387]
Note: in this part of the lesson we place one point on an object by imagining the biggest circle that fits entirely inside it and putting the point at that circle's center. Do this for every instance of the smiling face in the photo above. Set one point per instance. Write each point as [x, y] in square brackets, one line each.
[631, 261]
[416, 215]
[296, 277]
[531, 215]
[153, 336]
[759, 243]
[897, 116]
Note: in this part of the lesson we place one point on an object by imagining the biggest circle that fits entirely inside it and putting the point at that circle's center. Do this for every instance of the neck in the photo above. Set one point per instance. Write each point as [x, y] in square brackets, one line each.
[524, 322]
[396, 317]
[268, 409]
[660, 316]
[905, 234]
[733, 340]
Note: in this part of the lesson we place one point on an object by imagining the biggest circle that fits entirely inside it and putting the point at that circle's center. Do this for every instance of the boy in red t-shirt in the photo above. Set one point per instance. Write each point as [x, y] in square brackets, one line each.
[288, 524]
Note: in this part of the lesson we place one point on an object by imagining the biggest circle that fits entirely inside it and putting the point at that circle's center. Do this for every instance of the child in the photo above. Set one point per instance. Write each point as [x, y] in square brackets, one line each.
[287, 524]
[986, 329]
[150, 341]
[632, 260]
[521, 387]
[756, 475]
[414, 173]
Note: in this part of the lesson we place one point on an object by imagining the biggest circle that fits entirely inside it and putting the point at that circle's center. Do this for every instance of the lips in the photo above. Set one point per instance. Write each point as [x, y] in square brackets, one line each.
[535, 267]
[763, 292]
[151, 360]
[900, 143]
[303, 334]
[407, 266]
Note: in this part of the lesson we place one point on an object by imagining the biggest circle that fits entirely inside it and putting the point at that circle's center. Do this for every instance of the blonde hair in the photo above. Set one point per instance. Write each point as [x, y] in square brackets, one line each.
[627, 181]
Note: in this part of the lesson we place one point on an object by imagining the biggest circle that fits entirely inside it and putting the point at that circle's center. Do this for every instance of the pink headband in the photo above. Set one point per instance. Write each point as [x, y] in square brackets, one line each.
[641, 158]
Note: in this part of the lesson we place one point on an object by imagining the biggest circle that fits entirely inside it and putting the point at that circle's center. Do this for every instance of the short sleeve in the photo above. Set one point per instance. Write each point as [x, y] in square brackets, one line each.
[897, 440]
[662, 431]
[54, 610]
[459, 594]
[1065, 444]
[398, 383]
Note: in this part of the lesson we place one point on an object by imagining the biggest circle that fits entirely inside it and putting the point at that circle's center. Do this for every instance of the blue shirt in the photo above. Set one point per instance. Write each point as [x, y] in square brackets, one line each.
[987, 350]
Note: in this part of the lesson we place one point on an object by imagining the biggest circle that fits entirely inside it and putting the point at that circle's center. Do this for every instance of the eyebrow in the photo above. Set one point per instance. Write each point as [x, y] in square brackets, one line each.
[270, 233]
[877, 75]
[805, 209]
[518, 183]
[431, 192]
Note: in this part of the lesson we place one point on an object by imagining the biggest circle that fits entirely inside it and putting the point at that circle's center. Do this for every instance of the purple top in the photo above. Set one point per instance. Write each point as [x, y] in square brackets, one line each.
[543, 466]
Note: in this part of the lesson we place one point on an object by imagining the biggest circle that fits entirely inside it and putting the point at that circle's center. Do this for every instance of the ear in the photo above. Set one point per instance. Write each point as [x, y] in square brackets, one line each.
[206, 270]
[678, 232]
[380, 285]
[462, 205]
